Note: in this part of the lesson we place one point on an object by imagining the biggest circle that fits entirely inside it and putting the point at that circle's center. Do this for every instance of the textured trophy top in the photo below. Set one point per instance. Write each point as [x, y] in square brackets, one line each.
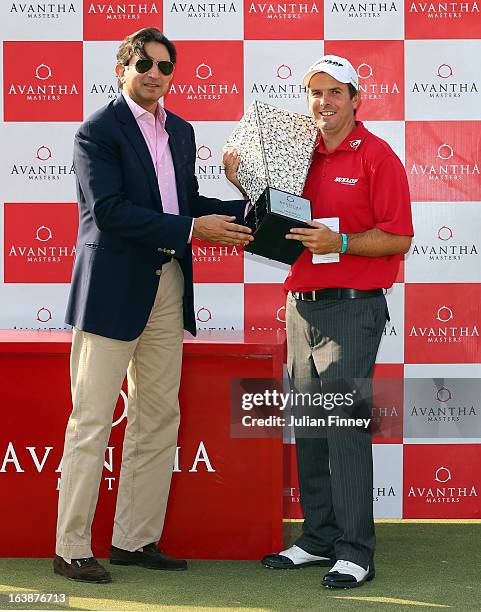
[275, 149]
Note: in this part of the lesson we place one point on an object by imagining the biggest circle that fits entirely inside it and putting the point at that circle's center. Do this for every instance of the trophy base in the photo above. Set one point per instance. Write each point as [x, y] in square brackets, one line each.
[269, 228]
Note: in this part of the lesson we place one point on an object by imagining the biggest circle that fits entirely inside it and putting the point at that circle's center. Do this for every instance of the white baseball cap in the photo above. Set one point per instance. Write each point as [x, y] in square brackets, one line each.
[339, 68]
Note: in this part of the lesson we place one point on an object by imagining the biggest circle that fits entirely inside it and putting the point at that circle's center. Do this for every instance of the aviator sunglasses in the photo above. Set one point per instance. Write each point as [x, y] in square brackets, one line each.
[144, 65]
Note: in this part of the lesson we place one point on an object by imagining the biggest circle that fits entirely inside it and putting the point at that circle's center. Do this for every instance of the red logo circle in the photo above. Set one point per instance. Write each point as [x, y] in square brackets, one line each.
[203, 315]
[284, 71]
[44, 315]
[445, 71]
[43, 153]
[204, 153]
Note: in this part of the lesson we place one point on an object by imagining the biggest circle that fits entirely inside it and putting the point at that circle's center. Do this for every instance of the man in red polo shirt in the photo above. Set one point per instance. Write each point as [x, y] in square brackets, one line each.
[335, 316]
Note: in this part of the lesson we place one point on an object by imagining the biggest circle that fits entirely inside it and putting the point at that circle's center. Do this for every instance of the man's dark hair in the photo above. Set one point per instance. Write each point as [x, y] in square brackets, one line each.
[135, 44]
[352, 92]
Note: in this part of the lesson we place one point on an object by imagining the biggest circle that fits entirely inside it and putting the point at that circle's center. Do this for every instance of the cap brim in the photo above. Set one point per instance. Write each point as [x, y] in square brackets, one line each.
[308, 76]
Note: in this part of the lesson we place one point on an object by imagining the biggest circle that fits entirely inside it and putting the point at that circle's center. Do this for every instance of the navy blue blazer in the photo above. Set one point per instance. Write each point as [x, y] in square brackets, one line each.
[123, 231]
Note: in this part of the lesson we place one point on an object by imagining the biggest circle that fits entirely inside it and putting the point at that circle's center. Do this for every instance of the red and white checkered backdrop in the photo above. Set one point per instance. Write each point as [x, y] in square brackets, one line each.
[420, 79]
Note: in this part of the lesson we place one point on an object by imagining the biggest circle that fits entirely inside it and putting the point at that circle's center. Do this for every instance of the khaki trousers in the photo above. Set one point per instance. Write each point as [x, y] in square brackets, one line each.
[98, 366]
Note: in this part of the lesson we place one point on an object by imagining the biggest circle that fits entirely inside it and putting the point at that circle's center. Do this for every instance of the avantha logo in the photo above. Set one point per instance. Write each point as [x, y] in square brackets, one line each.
[451, 20]
[39, 242]
[446, 249]
[356, 10]
[123, 10]
[43, 153]
[42, 10]
[204, 153]
[49, 89]
[443, 409]
[108, 90]
[44, 315]
[33, 459]
[42, 171]
[379, 493]
[202, 75]
[205, 91]
[447, 86]
[445, 333]
[205, 169]
[277, 89]
[203, 316]
[443, 395]
[276, 20]
[115, 19]
[449, 493]
[212, 253]
[44, 234]
[444, 10]
[445, 233]
[373, 90]
[46, 254]
[282, 10]
[447, 169]
[284, 72]
[203, 10]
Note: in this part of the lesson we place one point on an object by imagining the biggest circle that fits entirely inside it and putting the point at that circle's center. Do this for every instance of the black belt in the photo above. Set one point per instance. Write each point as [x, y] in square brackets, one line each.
[335, 293]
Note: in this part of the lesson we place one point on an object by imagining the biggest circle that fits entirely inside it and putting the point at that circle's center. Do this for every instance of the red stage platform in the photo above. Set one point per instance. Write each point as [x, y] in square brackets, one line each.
[226, 495]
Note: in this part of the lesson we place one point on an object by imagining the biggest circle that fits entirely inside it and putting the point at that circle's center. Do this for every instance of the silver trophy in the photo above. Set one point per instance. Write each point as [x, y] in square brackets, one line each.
[275, 150]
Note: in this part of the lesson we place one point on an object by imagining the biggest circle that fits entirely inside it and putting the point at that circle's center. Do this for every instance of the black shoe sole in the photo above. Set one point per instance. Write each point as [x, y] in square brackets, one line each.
[299, 565]
[146, 565]
[352, 585]
[106, 581]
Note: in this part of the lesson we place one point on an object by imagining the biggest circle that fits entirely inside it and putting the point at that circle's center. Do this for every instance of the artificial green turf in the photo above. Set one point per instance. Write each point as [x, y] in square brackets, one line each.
[431, 563]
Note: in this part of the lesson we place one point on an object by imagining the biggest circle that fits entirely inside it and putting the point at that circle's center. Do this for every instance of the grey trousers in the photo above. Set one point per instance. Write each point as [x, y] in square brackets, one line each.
[332, 340]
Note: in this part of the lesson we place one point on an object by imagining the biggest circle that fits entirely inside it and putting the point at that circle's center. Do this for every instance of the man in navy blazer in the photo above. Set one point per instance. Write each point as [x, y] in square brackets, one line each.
[130, 299]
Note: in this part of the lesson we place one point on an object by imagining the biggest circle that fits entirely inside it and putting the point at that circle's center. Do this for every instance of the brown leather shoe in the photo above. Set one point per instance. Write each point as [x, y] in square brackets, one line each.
[150, 557]
[82, 570]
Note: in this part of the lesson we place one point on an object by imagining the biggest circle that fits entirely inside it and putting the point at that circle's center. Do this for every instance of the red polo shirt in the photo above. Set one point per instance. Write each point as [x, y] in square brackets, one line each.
[363, 183]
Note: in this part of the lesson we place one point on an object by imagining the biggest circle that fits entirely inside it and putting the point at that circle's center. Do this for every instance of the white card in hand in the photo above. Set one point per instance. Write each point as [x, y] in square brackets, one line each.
[333, 224]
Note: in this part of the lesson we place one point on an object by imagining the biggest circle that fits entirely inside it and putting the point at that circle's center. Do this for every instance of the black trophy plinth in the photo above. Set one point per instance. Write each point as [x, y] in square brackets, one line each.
[271, 218]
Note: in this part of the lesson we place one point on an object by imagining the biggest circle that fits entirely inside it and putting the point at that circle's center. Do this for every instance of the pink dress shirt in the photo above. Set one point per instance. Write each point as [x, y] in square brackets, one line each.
[157, 141]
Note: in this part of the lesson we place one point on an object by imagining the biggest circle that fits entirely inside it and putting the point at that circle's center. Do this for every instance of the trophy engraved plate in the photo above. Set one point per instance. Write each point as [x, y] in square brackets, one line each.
[275, 150]
[290, 206]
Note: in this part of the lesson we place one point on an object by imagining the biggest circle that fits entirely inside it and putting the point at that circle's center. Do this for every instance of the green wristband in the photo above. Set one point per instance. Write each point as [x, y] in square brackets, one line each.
[344, 243]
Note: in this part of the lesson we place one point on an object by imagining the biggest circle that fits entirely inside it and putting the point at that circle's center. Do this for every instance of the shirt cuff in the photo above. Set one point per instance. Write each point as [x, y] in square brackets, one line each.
[191, 232]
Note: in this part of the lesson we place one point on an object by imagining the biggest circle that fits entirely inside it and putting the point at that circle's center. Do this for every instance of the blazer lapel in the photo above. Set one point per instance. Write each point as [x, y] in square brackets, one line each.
[177, 149]
[136, 138]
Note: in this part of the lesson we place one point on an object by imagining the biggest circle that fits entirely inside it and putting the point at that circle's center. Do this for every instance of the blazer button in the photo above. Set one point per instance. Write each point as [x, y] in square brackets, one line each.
[158, 272]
